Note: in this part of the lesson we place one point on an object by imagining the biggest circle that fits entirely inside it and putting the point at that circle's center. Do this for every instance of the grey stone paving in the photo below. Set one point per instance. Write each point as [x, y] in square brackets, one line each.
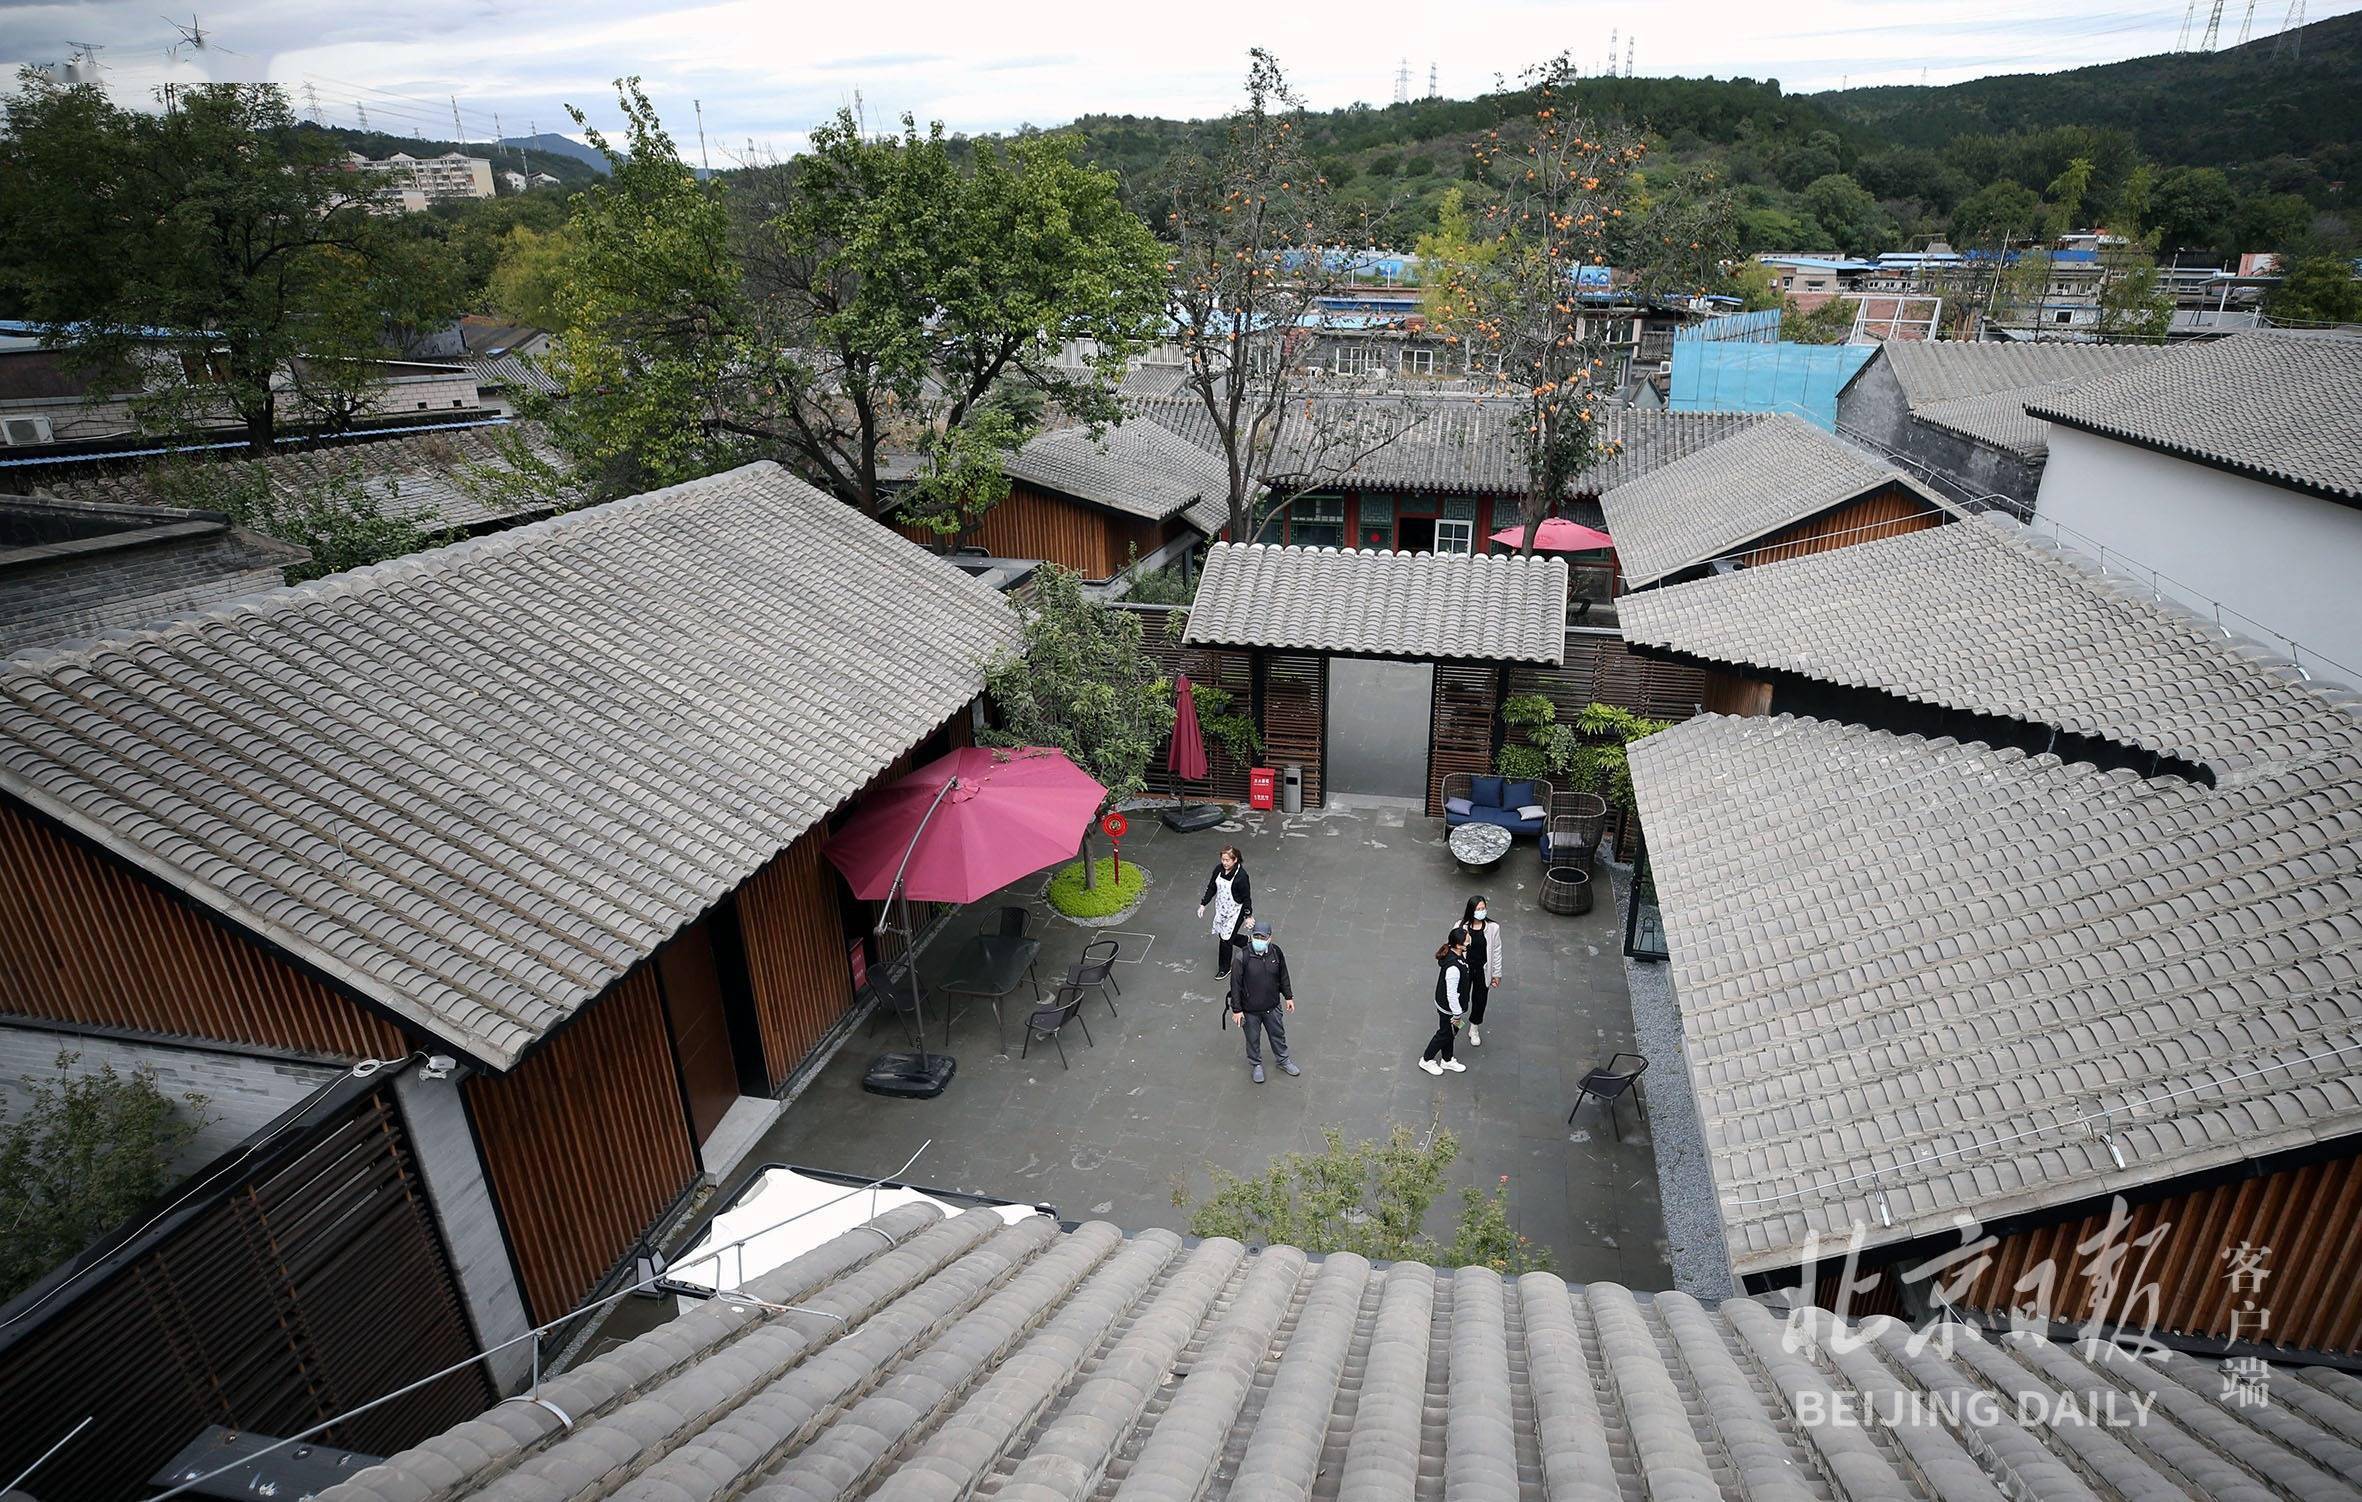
[1360, 900]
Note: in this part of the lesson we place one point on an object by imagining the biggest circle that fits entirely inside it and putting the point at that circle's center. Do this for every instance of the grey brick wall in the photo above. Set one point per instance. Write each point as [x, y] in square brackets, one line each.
[126, 587]
[242, 1094]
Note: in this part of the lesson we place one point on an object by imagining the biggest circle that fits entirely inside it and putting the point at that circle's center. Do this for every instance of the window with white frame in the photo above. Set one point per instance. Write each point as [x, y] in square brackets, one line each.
[1352, 359]
[1455, 537]
[1418, 362]
[1479, 362]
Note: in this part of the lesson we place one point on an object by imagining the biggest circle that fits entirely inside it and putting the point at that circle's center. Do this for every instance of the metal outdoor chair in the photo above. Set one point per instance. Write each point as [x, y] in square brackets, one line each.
[1014, 921]
[1048, 1022]
[894, 1001]
[1608, 1086]
[1097, 969]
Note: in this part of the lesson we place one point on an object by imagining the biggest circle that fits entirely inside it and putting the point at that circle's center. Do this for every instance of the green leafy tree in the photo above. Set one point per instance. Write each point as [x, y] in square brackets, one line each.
[901, 295]
[2066, 194]
[1848, 214]
[86, 1151]
[2281, 222]
[1083, 685]
[2134, 304]
[2320, 290]
[1755, 285]
[657, 349]
[1995, 214]
[211, 259]
[341, 519]
[1370, 1198]
[527, 281]
[2191, 207]
[1831, 322]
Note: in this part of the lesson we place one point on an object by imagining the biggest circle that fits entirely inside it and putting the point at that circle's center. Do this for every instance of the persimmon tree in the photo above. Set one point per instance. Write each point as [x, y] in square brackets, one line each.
[1567, 215]
[1259, 244]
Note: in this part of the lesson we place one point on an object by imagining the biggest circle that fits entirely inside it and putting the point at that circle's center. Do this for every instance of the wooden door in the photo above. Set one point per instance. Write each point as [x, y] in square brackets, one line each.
[701, 1034]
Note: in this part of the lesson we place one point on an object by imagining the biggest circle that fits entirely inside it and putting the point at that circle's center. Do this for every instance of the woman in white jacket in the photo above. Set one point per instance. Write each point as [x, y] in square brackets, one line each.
[1484, 962]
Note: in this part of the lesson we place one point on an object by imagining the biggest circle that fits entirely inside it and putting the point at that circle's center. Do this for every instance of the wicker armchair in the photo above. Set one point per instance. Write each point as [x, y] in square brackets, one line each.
[1577, 821]
[1463, 785]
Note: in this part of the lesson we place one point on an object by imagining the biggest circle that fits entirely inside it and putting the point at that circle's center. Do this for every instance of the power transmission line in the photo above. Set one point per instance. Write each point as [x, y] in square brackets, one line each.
[2246, 23]
[2189, 13]
[2214, 26]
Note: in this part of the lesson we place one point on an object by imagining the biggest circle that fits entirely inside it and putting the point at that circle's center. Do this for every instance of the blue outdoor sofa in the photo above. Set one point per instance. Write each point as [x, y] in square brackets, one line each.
[1472, 799]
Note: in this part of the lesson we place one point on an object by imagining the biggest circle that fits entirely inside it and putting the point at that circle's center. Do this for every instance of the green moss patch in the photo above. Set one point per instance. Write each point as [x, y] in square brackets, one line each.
[1111, 896]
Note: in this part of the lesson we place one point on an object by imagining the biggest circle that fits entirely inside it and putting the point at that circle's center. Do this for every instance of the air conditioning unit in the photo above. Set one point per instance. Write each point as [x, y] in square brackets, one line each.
[19, 432]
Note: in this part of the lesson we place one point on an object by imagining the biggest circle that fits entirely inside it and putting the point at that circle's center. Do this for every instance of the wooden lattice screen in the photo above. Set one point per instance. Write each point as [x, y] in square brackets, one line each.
[1600, 669]
[1460, 731]
[1295, 715]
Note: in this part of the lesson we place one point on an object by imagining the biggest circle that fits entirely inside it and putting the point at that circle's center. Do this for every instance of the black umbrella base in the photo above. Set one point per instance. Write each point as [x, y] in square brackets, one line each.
[913, 1076]
[1191, 816]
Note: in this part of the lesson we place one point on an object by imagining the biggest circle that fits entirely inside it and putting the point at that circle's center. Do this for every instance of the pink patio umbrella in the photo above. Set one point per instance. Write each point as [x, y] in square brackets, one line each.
[1187, 758]
[966, 825]
[1558, 535]
[957, 829]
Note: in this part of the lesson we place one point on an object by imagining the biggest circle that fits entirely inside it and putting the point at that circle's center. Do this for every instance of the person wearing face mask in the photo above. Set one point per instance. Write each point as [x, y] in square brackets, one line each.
[1451, 1005]
[1232, 897]
[1484, 962]
[1260, 997]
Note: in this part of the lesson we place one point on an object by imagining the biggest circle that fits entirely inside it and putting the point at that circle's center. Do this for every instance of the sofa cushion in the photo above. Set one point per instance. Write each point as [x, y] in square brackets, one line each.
[1533, 811]
[1485, 792]
[1517, 794]
[1505, 817]
[1456, 805]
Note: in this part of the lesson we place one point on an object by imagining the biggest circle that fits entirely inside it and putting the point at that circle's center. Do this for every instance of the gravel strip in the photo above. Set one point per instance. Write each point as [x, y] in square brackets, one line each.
[1685, 1184]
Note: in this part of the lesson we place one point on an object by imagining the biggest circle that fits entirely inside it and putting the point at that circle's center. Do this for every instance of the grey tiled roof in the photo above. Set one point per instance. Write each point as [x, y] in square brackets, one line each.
[1489, 607]
[513, 370]
[1984, 616]
[2278, 406]
[1999, 420]
[475, 785]
[1932, 967]
[1136, 467]
[1715, 501]
[415, 475]
[921, 1359]
[1450, 442]
[1943, 370]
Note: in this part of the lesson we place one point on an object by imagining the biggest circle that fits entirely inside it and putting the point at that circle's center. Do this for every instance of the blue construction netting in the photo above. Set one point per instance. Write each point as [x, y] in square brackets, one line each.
[1740, 364]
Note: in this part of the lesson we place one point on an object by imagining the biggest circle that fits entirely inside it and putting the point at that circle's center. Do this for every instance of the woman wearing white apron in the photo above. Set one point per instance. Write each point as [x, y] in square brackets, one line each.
[1232, 897]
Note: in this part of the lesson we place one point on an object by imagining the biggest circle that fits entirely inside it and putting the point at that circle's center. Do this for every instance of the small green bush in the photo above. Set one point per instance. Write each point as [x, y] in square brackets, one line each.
[1111, 896]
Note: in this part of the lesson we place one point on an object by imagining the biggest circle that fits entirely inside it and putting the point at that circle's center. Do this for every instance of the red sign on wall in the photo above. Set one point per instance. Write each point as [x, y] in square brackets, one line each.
[858, 954]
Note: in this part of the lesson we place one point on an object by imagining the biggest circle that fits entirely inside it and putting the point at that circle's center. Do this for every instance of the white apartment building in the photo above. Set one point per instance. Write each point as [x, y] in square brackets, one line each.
[408, 183]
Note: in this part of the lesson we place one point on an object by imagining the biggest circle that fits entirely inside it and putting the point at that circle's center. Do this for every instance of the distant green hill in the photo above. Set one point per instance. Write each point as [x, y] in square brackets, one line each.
[2283, 132]
[2197, 109]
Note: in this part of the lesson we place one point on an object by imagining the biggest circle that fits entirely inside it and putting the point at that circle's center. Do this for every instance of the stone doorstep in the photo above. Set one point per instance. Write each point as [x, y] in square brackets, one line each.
[738, 1134]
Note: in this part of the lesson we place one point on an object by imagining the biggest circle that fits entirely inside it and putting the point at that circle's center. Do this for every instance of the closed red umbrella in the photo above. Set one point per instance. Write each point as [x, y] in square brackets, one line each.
[1558, 535]
[965, 825]
[1187, 757]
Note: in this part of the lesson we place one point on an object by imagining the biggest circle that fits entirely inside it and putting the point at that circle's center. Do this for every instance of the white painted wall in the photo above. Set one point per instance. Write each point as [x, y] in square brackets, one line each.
[2289, 561]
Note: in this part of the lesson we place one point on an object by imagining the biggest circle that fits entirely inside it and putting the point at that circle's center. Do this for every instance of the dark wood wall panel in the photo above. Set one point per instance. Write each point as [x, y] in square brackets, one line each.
[2309, 1216]
[1295, 715]
[1036, 524]
[586, 1143]
[82, 939]
[309, 1283]
[1883, 513]
[1460, 731]
[1600, 669]
[1731, 694]
[796, 954]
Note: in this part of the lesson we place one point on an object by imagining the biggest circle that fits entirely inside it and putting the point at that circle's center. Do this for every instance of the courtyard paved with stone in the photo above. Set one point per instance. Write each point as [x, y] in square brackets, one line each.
[1359, 899]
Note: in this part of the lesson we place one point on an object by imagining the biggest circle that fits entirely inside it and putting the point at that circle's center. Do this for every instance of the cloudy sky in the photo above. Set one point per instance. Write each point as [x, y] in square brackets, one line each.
[765, 70]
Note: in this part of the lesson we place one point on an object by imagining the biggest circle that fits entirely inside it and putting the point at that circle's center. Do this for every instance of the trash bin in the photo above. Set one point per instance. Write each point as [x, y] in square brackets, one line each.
[1291, 790]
